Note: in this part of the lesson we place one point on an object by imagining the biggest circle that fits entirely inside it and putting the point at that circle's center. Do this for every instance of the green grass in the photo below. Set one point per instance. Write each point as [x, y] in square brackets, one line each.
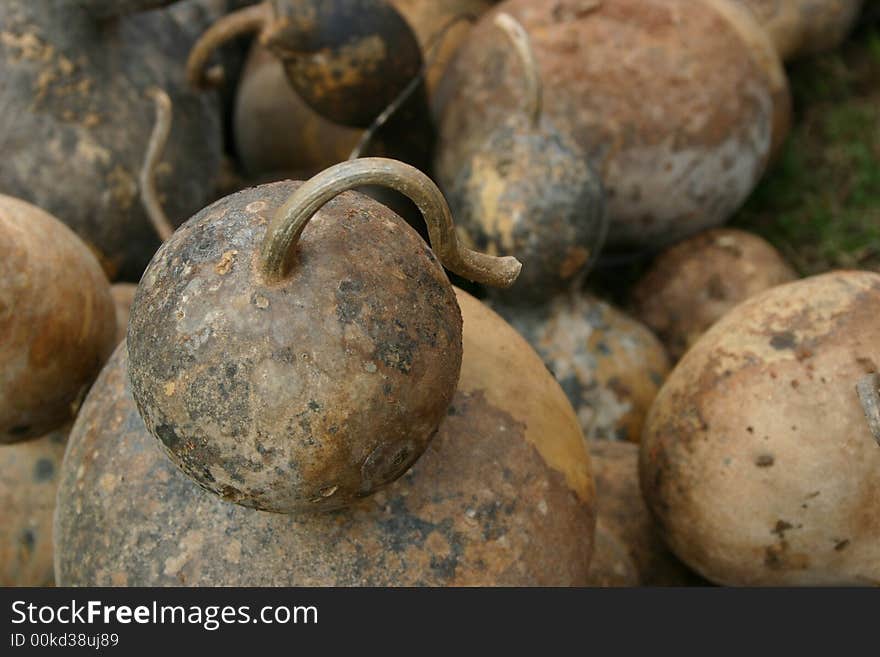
[820, 202]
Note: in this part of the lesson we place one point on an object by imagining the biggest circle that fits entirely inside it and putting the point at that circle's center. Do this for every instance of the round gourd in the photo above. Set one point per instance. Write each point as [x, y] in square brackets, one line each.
[805, 27]
[677, 103]
[28, 481]
[347, 59]
[692, 284]
[57, 321]
[528, 189]
[756, 459]
[502, 496]
[609, 365]
[76, 124]
[625, 517]
[294, 366]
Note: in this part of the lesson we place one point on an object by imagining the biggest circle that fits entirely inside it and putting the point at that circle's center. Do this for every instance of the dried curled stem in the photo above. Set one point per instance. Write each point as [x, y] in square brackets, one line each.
[244, 21]
[433, 50]
[155, 149]
[291, 218]
[869, 394]
[518, 36]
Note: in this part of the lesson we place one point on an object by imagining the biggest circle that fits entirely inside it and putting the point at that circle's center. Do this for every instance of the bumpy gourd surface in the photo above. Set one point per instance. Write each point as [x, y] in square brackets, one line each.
[306, 394]
[502, 496]
[756, 458]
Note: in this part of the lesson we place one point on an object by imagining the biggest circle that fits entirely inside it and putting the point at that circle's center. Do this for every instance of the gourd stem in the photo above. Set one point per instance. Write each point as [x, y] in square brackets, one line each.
[155, 149]
[869, 394]
[244, 21]
[519, 38]
[291, 218]
[434, 50]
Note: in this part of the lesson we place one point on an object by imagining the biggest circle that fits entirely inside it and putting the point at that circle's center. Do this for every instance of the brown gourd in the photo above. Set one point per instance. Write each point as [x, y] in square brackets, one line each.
[293, 348]
[57, 321]
[528, 189]
[502, 496]
[75, 126]
[692, 284]
[757, 460]
[677, 103]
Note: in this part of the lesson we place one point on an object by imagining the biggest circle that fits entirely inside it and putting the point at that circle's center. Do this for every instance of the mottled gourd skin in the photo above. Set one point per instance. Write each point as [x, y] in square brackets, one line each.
[29, 474]
[76, 120]
[756, 459]
[309, 393]
[348, 59]
[530, 191]
[502, 496]
[57, 321]
[623, 514]
[692, 284]
[678, 104]
[609, 365]
[805, 27]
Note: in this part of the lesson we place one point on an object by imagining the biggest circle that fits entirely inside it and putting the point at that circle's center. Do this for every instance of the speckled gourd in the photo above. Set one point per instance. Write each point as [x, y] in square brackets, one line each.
[757, 460]
[293, 348]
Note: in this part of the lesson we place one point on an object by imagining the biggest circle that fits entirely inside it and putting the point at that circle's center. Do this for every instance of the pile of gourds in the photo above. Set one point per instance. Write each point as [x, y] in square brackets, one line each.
[299, 390]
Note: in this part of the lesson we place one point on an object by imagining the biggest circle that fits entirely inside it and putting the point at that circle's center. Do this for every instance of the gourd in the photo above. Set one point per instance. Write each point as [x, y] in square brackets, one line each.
[57, 322]
[347, 59]
[529, 189]
[756, 458]
[502, 496]
[295, 351]
[692, 284]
